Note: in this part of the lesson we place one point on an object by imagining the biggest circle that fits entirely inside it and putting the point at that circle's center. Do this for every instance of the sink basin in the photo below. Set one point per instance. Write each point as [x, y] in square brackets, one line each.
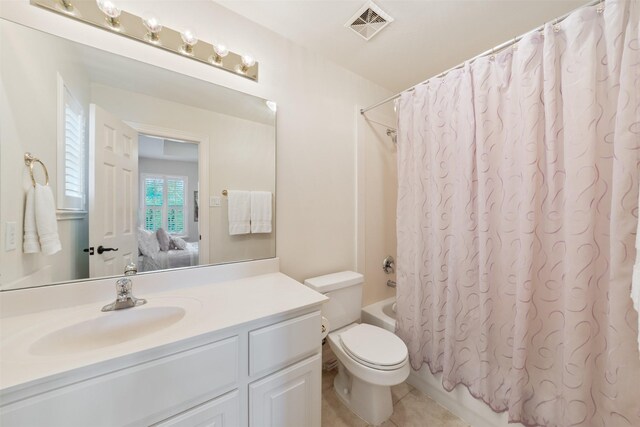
[107, 329]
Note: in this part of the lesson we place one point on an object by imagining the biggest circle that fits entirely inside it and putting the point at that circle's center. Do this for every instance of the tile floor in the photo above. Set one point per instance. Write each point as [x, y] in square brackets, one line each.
[411, 408]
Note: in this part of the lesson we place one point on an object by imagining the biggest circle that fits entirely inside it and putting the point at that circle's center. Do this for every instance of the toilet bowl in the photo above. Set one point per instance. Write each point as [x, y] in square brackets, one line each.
[370, 361]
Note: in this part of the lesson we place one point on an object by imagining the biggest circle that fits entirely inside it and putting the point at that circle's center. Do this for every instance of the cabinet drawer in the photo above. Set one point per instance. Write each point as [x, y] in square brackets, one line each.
[289, 398]
[221, 412]
[139, 395]
[276, 346]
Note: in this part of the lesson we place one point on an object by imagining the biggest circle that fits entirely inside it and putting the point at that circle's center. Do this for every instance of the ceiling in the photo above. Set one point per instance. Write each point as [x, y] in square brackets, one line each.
[150, 147]
[425, 38]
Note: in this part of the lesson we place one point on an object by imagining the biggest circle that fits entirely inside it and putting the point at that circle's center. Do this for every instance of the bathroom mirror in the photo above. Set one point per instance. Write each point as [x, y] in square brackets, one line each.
[129, 149]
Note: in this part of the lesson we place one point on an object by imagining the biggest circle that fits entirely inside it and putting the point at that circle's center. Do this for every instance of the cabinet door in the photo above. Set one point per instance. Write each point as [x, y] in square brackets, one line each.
[221, 412]
[289, 398]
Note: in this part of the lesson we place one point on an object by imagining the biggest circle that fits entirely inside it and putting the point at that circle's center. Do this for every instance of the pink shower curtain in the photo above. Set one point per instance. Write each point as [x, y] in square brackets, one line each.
[517, 211]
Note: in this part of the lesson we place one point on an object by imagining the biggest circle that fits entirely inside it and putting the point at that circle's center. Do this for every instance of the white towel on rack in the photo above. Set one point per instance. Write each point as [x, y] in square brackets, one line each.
[261, 212]
[239, 212]
[46, 221]
[30, 244]
[635, 281]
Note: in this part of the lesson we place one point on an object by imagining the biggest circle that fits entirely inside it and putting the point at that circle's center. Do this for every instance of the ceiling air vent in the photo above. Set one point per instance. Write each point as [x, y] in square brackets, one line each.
[368, 21]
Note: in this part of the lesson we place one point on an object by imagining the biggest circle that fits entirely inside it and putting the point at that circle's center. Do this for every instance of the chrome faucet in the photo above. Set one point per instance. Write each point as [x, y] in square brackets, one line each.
[124, 296]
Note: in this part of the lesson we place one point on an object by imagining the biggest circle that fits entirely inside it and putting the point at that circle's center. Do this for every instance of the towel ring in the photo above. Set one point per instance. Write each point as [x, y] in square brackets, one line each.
[29, 160]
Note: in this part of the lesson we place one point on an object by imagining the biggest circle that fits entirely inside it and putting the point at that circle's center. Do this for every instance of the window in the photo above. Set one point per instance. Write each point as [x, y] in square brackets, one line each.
[165, 203]
[71, 151]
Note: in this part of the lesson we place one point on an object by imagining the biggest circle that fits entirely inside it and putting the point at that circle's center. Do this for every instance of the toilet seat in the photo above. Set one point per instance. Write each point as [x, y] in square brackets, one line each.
[374, 347]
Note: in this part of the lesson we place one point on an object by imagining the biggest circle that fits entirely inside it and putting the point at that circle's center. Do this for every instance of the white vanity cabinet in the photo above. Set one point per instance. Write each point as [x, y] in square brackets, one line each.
[290, 397]
[221, 412]
[264, 374]
[136, 395]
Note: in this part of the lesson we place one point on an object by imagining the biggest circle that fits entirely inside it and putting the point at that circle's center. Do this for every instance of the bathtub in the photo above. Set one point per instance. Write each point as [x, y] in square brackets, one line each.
[458, 401]
[381, 314]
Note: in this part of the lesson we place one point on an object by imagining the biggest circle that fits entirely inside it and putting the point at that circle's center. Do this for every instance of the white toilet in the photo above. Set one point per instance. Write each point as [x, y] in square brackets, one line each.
[370, 359]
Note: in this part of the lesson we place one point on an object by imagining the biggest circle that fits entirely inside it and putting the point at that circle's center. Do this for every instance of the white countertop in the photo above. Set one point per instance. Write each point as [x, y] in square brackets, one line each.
[211, 309]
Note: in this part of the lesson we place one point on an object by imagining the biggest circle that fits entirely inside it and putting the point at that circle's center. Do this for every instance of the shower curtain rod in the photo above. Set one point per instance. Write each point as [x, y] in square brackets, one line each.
[491, 51]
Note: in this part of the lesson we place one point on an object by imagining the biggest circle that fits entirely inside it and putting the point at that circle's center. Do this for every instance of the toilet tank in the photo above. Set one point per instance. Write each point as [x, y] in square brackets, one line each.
[344, 291]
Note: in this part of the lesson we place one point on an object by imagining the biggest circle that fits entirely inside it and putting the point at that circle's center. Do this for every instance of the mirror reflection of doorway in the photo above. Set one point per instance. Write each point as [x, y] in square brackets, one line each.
[143, 199]
[168, 231]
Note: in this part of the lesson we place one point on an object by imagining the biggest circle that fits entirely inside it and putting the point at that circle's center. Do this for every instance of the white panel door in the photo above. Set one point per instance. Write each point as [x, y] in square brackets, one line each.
[113, 193]
[289, 398]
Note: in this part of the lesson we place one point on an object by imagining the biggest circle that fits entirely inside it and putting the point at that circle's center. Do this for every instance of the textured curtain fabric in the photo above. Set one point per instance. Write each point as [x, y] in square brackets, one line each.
[517, 214]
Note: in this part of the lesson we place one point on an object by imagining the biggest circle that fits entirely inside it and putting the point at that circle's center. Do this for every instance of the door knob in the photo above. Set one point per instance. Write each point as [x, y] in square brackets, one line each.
[102, 249]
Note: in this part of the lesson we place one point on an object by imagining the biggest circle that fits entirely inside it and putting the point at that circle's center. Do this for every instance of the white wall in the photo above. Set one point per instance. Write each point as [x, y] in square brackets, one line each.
[176, 168]
[316, 129]
[28, 105]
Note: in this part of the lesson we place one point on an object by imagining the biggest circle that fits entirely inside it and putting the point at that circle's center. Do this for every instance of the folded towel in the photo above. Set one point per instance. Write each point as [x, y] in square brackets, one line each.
[30, 243]
[46, 221]
[635, 281]
[239, 212]
[261, 212]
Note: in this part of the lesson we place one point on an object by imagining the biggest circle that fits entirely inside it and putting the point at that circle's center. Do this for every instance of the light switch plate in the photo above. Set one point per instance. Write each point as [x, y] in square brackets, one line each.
[216, 201]
[10, 238]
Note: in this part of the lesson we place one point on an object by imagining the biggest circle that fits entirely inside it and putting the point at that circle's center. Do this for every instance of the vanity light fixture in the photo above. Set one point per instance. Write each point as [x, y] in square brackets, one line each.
[153, 27]
[111, 11]
[146, 28]
[67, 5]
[190, 40]
[248, 61]
[219, 52]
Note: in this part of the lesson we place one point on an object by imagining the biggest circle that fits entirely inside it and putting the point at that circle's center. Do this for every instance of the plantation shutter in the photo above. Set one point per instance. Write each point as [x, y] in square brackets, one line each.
[74, 154]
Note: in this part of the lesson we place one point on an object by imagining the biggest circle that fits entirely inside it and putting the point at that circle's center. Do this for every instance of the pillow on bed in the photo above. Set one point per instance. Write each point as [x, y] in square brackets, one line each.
[148, 243]
[178, 243]
[164, 239]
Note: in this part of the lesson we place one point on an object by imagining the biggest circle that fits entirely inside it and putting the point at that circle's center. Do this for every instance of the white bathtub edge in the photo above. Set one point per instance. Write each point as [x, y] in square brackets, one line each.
[458, 401]
[373, 315]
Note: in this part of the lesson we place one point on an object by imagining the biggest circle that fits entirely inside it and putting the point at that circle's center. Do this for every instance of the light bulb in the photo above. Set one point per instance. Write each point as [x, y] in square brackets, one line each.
[248, 61]
[111, 10]
[189, 39]
[154, 27]
[220, 50]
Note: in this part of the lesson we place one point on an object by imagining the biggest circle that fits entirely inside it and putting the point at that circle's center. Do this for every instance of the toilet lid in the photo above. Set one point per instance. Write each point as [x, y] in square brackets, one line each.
[374, 345]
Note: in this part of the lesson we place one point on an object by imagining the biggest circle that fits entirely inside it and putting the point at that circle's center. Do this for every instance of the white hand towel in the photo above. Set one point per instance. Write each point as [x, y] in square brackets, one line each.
[261, 212]
[46, 221]
[30, 243]
[635, 281]
[239, 212]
